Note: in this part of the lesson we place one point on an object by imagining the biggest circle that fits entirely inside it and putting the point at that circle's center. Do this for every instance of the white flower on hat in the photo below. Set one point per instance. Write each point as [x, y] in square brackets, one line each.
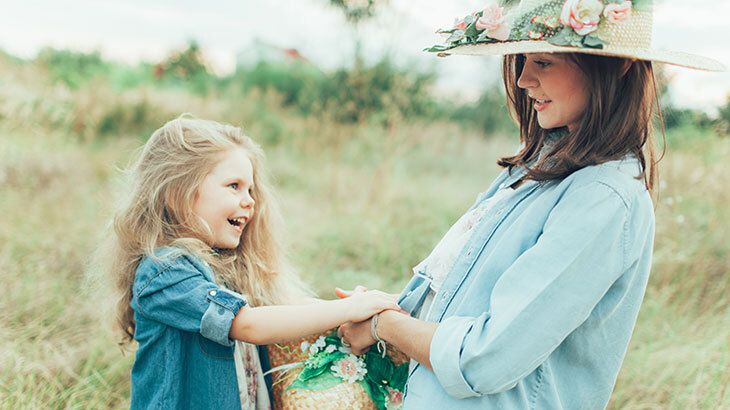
[582, 16]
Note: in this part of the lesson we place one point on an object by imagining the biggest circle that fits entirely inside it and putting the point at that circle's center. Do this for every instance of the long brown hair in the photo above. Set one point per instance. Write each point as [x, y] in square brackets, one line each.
[157, 212]
[617, 120]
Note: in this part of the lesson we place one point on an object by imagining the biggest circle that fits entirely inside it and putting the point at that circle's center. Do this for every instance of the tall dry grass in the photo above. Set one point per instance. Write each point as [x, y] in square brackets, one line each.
[363, 204]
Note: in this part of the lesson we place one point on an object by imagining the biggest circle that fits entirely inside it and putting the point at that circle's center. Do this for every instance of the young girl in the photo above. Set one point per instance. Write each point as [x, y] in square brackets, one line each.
[530, 299]
[198, 266]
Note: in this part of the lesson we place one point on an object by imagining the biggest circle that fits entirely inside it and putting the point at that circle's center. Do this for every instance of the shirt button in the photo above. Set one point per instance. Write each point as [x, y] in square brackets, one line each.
[212, 293]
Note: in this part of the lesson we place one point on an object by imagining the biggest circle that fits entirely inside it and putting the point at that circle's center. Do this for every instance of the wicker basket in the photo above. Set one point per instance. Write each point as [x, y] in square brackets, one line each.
[340, 396]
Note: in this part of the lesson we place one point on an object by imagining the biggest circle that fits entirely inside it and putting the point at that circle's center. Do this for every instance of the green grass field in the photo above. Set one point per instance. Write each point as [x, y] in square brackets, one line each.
[363, 203]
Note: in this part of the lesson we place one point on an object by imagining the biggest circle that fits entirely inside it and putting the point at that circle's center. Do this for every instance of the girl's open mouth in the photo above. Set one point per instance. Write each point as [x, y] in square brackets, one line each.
[238, 222]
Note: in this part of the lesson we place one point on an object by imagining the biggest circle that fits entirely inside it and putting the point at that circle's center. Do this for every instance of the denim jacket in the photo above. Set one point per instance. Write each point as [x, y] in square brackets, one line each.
[539, 307]
[185, 358]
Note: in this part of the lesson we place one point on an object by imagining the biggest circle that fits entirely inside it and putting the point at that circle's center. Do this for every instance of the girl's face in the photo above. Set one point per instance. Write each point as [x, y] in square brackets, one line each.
[557, 88]
[224, 199]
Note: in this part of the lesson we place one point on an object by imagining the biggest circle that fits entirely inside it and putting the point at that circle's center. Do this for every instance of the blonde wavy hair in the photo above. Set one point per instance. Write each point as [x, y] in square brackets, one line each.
[158, 212]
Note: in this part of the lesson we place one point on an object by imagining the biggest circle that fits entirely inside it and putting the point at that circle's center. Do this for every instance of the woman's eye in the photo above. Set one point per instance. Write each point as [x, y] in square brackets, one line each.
[233, 185]
[542, 64]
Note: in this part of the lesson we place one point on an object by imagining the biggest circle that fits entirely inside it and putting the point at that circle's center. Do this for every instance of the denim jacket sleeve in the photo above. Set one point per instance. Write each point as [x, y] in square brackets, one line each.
[540, 299]
[178, 294]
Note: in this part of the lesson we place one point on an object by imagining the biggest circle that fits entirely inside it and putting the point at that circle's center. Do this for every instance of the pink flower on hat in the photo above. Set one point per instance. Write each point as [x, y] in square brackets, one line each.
[582, 15]
[617, 13]
[493, 22]
[460, 24]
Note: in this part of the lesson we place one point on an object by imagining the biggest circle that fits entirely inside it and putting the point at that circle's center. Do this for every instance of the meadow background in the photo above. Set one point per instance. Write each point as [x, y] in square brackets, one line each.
[372, 167]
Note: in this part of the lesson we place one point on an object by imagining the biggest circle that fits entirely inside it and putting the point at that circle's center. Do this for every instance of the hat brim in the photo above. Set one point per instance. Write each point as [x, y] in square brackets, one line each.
[531, 46]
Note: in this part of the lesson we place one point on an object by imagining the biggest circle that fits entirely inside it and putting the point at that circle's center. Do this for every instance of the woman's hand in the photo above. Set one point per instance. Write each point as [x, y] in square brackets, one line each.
[357, 335]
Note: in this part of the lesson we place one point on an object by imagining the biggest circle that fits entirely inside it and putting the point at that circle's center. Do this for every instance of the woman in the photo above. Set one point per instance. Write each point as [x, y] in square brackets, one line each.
[530, 299]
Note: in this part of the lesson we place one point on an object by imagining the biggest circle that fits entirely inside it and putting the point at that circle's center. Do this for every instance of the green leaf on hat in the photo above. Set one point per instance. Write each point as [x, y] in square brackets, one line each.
[591, 41]
[484, 38]
[456, 36]
[563, 38]
[437, 49]
[471, 32]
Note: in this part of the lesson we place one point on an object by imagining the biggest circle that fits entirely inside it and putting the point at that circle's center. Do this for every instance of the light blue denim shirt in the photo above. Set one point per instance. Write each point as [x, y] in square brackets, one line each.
[185, 358]
[539, 307]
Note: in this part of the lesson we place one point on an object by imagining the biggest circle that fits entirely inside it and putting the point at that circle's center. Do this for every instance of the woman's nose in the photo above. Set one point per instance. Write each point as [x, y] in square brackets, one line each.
[527, 80]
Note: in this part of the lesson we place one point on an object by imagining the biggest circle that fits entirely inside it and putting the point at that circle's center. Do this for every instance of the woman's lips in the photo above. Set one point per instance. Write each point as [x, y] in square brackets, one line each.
[541, 105]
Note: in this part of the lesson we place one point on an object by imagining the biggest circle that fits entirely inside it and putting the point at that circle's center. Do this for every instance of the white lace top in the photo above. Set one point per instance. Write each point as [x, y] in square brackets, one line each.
[438, 264]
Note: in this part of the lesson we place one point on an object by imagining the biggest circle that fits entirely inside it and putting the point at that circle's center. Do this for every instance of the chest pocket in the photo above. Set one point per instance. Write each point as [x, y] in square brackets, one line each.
[214, 350]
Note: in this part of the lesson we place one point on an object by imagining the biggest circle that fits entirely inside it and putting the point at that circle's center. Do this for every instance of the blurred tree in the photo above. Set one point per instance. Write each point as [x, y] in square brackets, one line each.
[187, 65]
[489, 114]
[675, 116]
[723, 120]
[183, 64]
[356, 11]
[72, 68]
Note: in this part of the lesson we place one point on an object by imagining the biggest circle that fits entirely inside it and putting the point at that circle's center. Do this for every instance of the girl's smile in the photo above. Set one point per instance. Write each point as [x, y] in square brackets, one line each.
[224, 201]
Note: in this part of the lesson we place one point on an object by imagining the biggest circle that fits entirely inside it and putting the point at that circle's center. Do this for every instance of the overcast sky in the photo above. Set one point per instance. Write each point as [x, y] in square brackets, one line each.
[229, 31]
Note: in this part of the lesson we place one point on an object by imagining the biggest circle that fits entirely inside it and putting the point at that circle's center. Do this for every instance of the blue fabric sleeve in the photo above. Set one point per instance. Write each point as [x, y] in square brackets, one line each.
[540, 299]
[179, 295]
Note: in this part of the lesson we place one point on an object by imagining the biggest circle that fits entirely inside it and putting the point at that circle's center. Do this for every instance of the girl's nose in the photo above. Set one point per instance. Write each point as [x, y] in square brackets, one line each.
[247, 201]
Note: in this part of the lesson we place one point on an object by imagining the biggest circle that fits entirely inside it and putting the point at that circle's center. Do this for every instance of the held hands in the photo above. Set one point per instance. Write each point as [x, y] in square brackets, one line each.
[363, 304]
[357, 333]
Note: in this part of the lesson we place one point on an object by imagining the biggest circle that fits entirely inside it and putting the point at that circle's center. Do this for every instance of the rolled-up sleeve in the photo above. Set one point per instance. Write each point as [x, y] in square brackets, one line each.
[548, 292]
[180, 296]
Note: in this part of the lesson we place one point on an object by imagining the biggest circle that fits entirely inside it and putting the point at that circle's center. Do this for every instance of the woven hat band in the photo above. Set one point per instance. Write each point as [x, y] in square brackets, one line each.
[635, 32]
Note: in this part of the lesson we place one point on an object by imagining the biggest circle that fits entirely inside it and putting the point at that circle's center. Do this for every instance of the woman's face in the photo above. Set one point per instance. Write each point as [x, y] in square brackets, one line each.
[557, 88]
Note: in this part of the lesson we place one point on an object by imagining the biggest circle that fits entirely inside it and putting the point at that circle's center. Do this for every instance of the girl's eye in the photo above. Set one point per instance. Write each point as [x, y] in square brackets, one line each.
[542, 64]
[233, 185]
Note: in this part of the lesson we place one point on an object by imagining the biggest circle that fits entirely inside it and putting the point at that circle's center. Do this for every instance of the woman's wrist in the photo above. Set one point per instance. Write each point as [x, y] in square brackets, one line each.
[387, 320]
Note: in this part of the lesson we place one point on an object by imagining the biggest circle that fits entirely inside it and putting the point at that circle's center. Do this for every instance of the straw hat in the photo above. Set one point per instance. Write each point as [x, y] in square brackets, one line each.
[604, 27]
